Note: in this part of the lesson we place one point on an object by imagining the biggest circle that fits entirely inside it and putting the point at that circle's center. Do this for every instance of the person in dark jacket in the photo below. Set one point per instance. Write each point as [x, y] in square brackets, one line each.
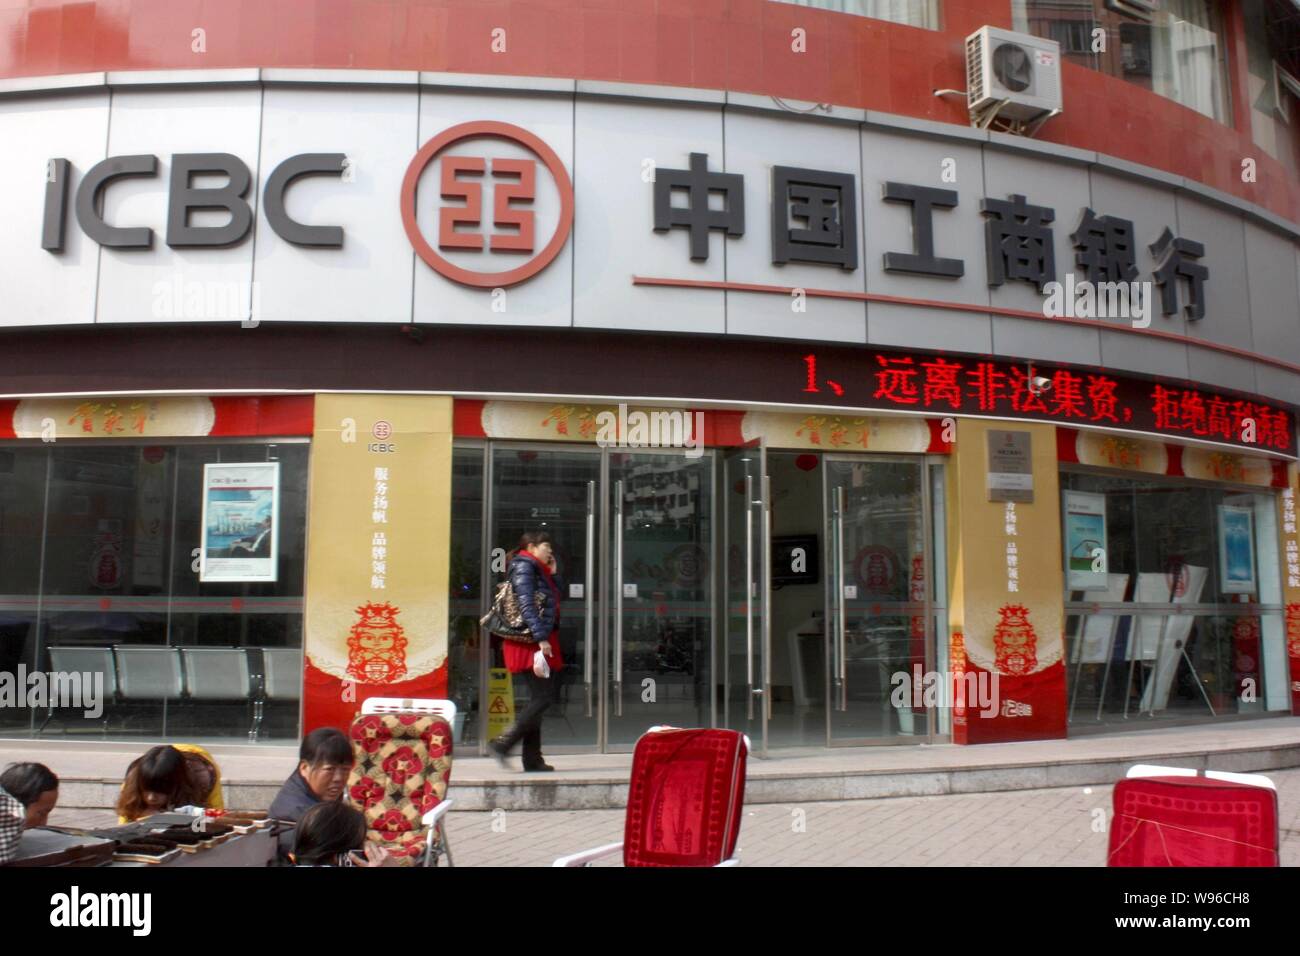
[324, 762]
[532, 568]
[36, 787]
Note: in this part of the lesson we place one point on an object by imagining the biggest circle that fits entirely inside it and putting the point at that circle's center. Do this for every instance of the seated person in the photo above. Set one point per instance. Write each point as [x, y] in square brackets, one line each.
[324, 762]
[166, 777]
[35, 787]
[331, 833]
[11, 826]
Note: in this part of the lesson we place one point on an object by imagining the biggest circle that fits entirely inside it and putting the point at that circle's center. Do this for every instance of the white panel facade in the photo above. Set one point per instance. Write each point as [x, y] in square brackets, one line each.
[957, 234]
[544, 299]
[755, 144]
[619, 145]
[610, 147]
[161, 283]
[41, 287]
[369, 279]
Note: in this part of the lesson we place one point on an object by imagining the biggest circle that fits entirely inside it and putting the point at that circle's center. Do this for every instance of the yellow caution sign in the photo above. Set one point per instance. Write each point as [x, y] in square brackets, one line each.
[501, 701]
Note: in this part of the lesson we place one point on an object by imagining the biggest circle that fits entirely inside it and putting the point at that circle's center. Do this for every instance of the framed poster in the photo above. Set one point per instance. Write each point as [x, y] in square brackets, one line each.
[1085, 532]
[1010, 466]
[241, 521]
[1236, 549]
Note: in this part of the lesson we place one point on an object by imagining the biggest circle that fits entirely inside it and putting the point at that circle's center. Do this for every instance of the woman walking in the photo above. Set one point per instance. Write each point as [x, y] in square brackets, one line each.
[532, 570]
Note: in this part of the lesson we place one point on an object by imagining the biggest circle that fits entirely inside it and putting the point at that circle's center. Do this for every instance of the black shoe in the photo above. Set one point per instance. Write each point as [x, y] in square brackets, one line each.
[539, 768]
[498, 748]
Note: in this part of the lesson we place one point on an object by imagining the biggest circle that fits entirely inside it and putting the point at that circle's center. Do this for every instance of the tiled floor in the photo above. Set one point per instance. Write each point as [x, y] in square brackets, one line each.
[1057, 827]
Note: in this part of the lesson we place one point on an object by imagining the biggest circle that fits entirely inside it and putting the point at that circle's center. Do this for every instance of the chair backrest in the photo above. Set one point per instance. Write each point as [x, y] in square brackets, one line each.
[216, 673]
[402, 771]
[1171, 816]
[685, 797]
[282, 670]
[1153, 770]
[445, 709]
[86, 660]
[149, 673]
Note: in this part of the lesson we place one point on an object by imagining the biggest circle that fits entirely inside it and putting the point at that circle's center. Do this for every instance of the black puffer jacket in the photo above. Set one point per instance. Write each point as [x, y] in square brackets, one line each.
[526, 577]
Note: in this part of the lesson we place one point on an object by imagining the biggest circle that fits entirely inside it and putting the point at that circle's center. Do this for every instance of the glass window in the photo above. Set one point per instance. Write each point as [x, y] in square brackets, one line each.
[1179, 52]
[1185, 623]
[1274, 110]
[914, 13]
[99, 561]
[465, 647]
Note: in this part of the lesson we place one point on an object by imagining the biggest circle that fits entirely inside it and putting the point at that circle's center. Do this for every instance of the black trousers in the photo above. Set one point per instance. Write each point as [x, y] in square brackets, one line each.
[528, 725]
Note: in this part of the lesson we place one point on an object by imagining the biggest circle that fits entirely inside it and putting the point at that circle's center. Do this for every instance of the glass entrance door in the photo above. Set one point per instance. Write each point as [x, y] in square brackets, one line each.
[880, 622]
[555, 490]
[745, 679]
[633, 536]
[660, 593]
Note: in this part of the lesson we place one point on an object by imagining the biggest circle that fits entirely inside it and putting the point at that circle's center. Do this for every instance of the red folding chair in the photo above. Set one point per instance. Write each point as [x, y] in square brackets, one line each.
[1173, 816]
[684, 802]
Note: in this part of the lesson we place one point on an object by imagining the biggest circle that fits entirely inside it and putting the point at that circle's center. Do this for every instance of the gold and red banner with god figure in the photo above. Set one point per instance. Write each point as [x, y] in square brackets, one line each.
[378, 540]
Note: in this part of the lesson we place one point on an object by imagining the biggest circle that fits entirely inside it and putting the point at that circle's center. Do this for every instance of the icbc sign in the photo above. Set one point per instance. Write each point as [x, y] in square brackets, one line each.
[518, 193]
[464, 179]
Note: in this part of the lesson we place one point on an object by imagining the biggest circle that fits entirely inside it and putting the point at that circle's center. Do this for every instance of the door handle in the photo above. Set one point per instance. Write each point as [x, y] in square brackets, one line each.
[589, 594]
[842, 695]
[766, 606]
[618, 598]
[749, 597]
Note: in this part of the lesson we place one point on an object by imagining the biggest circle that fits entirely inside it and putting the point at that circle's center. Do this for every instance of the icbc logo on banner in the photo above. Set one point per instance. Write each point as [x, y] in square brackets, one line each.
[480, 167]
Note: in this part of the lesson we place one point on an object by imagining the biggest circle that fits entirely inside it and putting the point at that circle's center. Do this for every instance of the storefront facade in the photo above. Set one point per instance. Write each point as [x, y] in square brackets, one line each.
[835, 446]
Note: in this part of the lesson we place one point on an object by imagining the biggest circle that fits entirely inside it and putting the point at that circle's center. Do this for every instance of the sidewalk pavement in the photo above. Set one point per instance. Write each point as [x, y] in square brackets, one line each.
[251, 774]
[1048, 827]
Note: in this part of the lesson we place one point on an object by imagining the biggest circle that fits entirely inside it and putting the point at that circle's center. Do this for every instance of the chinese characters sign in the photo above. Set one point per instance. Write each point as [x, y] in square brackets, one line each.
[814, 220]
[958, 386]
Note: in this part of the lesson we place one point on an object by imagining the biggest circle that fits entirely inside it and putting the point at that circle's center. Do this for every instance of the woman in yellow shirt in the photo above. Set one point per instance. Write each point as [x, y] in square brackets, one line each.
[169, 776]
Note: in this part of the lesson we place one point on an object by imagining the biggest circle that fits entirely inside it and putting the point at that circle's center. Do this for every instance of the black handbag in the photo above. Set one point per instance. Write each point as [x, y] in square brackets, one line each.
[505, 619]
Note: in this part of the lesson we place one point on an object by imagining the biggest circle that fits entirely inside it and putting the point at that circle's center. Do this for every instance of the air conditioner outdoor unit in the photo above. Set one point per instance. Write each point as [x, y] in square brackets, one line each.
[1013, 76]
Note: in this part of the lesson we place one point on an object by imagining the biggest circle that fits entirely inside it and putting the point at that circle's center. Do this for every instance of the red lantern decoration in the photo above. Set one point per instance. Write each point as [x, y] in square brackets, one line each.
[806, 462]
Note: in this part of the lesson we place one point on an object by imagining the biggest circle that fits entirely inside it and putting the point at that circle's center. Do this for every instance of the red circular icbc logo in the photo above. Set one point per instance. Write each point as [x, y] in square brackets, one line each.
[471, 177]
[382, 430]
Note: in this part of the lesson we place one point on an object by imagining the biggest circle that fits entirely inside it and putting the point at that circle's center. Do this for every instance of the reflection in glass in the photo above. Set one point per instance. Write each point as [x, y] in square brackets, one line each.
[1186, 624]
[99, 576]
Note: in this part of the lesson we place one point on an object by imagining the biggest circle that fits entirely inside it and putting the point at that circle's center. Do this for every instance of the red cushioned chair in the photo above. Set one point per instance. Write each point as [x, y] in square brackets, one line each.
[403, 754]
[684, 801]
[1173, 816]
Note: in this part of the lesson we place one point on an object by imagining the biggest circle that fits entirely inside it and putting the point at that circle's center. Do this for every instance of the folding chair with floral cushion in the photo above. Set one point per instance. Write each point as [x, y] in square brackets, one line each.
[399, 781]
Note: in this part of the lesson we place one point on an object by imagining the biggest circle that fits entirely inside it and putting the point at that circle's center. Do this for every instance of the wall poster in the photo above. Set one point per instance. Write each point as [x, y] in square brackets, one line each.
[241, 516]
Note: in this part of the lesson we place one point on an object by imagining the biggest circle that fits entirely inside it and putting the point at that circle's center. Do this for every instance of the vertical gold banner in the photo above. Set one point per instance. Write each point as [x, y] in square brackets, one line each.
[1006, 605]
[1289, 528]
[378, 535]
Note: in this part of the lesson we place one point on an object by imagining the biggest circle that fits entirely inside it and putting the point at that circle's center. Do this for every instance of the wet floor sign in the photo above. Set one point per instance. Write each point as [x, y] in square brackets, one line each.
[501, 702]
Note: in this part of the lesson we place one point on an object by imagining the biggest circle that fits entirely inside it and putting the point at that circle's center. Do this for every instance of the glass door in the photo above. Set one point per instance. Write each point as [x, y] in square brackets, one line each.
[532, 488]
[660, 593]
[880, 621]
[745, 685]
